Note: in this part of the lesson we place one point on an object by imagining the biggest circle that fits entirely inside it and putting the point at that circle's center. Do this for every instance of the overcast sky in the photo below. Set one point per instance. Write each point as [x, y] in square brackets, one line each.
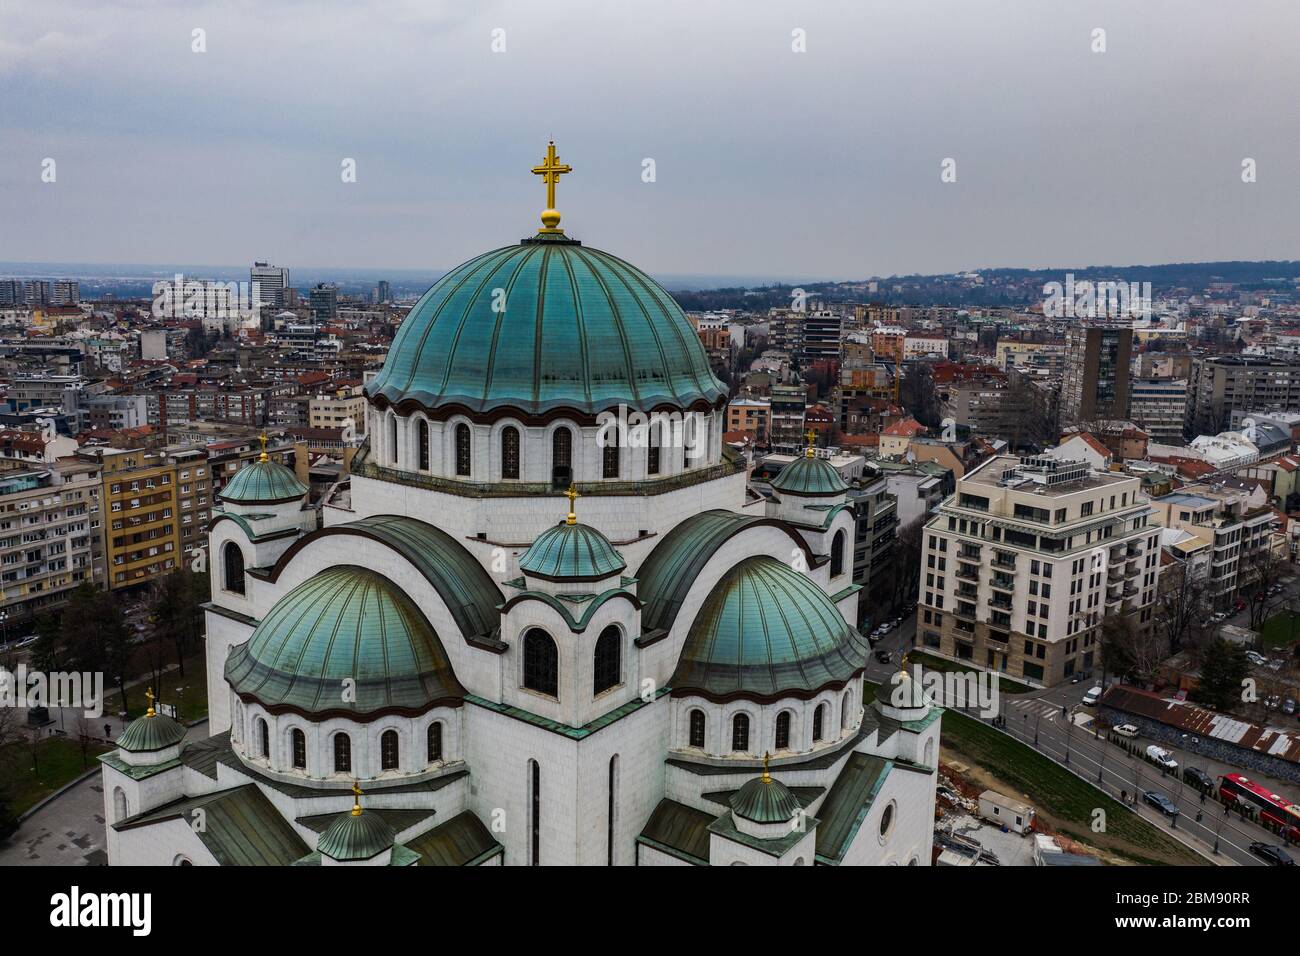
[824, 163]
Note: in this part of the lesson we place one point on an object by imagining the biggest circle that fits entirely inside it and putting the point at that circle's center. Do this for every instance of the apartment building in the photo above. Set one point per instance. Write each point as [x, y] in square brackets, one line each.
[1234, 522]
[1218, 385]
[1159, 406]
[788, 403]
[1095, 381]
[752, 416]
[332, 409]
[51, 539]
[875, 512]
[193, 496]
[1021, 564]
[141, 527]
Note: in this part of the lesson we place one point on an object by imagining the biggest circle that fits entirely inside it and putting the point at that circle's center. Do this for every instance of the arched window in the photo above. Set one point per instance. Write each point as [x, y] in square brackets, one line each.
[299, 741]
[264, 738]
[181, 861]
[561, 458]
[435, 741]
[846, 710]
[696, 738]
[342, 753]
[462, 450]
[541, 663]
[423, 433]
[388, 750]
[652, 451]
[392, 439]
[740, 733]
[609, 455]
[120, 809]
[535, 813]
[607, 665]
[819, 720]
[837, 553]
[783, 730]
[233, 558]
[510, 452]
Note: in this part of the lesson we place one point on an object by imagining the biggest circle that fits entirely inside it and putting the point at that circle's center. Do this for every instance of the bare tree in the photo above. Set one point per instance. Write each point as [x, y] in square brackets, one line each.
[1130, 651]
[1262, 568]
[1181, 611]
[907, 561]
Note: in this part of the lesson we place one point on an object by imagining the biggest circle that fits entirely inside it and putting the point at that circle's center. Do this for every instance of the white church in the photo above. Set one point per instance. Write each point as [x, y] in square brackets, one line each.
[520, 636]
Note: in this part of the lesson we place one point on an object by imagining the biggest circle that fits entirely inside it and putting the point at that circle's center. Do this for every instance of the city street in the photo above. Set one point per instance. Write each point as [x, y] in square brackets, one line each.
[1038, 721]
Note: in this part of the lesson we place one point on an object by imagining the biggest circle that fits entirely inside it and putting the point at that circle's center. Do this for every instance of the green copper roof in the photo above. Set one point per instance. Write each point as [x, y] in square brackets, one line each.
[356, 837]
[901, 691]
[765, 800]
[810, 476]
[668, 573]
[545, 325]
[766, 631]
[345, 622]
[571, 552]
[263, 482]
[147, 734]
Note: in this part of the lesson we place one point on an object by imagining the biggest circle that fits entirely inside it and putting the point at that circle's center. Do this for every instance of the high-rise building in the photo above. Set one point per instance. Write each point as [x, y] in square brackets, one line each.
[140, 505]
[821, 335]
[66, 292]
[271, 282]
[788, 403]
[11, 292]
[38, 292]
[383, 292]
[323, 301]
[1096, 379]
[1022, 563]
[1220, 384]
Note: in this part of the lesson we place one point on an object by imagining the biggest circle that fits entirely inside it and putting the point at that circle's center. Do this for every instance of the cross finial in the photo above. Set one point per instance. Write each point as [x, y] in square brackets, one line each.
[572, 495]
[150, 712]
[356, 798]
[551, 169]
[767, 777]
[812, 441]
[264, 456]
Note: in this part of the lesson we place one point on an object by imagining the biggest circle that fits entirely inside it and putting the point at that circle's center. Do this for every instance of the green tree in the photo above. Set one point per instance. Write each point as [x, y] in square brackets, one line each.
[1223, 668]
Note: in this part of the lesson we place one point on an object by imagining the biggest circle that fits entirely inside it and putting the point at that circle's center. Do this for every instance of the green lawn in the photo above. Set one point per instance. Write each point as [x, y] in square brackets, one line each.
[188, 694]
[58, 761]
[1277, 630]
[931, 663]
[1060, 793]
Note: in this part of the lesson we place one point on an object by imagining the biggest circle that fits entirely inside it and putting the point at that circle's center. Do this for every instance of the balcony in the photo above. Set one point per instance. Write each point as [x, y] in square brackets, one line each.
[968, 553]
[966, 572]
[1003, 583]
[965, 612]
[1002, 560]
[1000, 602]
[1115, 573]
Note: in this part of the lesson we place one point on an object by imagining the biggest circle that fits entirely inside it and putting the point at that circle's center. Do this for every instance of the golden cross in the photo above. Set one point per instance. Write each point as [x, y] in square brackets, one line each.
[767, 777]
[356, 798]
[572, 495]
[150, 712]
[264, 456]
[551, 170]
[812, 441]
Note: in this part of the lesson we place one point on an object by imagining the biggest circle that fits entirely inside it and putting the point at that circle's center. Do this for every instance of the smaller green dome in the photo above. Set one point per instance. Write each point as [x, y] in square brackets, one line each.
[903, 693]
[151, 732]
[766, 631]
[263, 483]
[571, 552]
[765, 800]
[355, 837]
[813, 477]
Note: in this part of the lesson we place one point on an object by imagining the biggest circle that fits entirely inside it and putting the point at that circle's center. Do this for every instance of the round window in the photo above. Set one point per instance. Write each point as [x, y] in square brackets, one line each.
[887, 821]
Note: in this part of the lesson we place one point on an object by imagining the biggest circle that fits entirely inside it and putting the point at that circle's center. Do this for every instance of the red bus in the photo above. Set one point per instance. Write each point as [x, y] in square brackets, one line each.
[1271, 806]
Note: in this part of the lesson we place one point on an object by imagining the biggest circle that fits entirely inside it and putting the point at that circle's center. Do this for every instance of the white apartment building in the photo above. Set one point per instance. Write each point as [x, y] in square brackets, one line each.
[1020, 566]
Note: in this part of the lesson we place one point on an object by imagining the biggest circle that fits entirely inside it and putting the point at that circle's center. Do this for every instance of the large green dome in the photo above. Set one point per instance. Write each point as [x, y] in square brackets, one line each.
[263, 483]
[345, 623]
[810, 477]
[571, 552]
[764, 632]
[546, 325]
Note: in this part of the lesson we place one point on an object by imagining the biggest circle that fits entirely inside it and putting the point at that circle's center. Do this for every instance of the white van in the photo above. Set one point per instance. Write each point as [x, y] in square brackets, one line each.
[1162, 757]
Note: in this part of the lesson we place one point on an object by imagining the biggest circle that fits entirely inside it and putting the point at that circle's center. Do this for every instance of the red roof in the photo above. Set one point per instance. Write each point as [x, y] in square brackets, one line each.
[906, 428]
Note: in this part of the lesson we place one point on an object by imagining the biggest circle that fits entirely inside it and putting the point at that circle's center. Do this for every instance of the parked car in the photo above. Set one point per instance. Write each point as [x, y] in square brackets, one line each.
[1162, 757]
[1127, 730]
[1198, 778]
[1272, 701]
[1273, 855]
[1160, 802]
[1218, 616]
[884, 656]
[1093, 695]
[1288, 705]
[1256, 658]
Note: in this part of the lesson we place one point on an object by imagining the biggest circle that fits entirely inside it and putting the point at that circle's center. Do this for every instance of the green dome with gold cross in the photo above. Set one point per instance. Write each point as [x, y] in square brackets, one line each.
[547, 326]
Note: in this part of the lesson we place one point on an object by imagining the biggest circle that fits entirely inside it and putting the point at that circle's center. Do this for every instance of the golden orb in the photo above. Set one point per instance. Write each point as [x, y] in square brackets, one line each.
[550, 218]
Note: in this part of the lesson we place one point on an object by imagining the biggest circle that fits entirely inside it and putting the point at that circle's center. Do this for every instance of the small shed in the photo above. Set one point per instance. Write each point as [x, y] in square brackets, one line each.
[1005, 811]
